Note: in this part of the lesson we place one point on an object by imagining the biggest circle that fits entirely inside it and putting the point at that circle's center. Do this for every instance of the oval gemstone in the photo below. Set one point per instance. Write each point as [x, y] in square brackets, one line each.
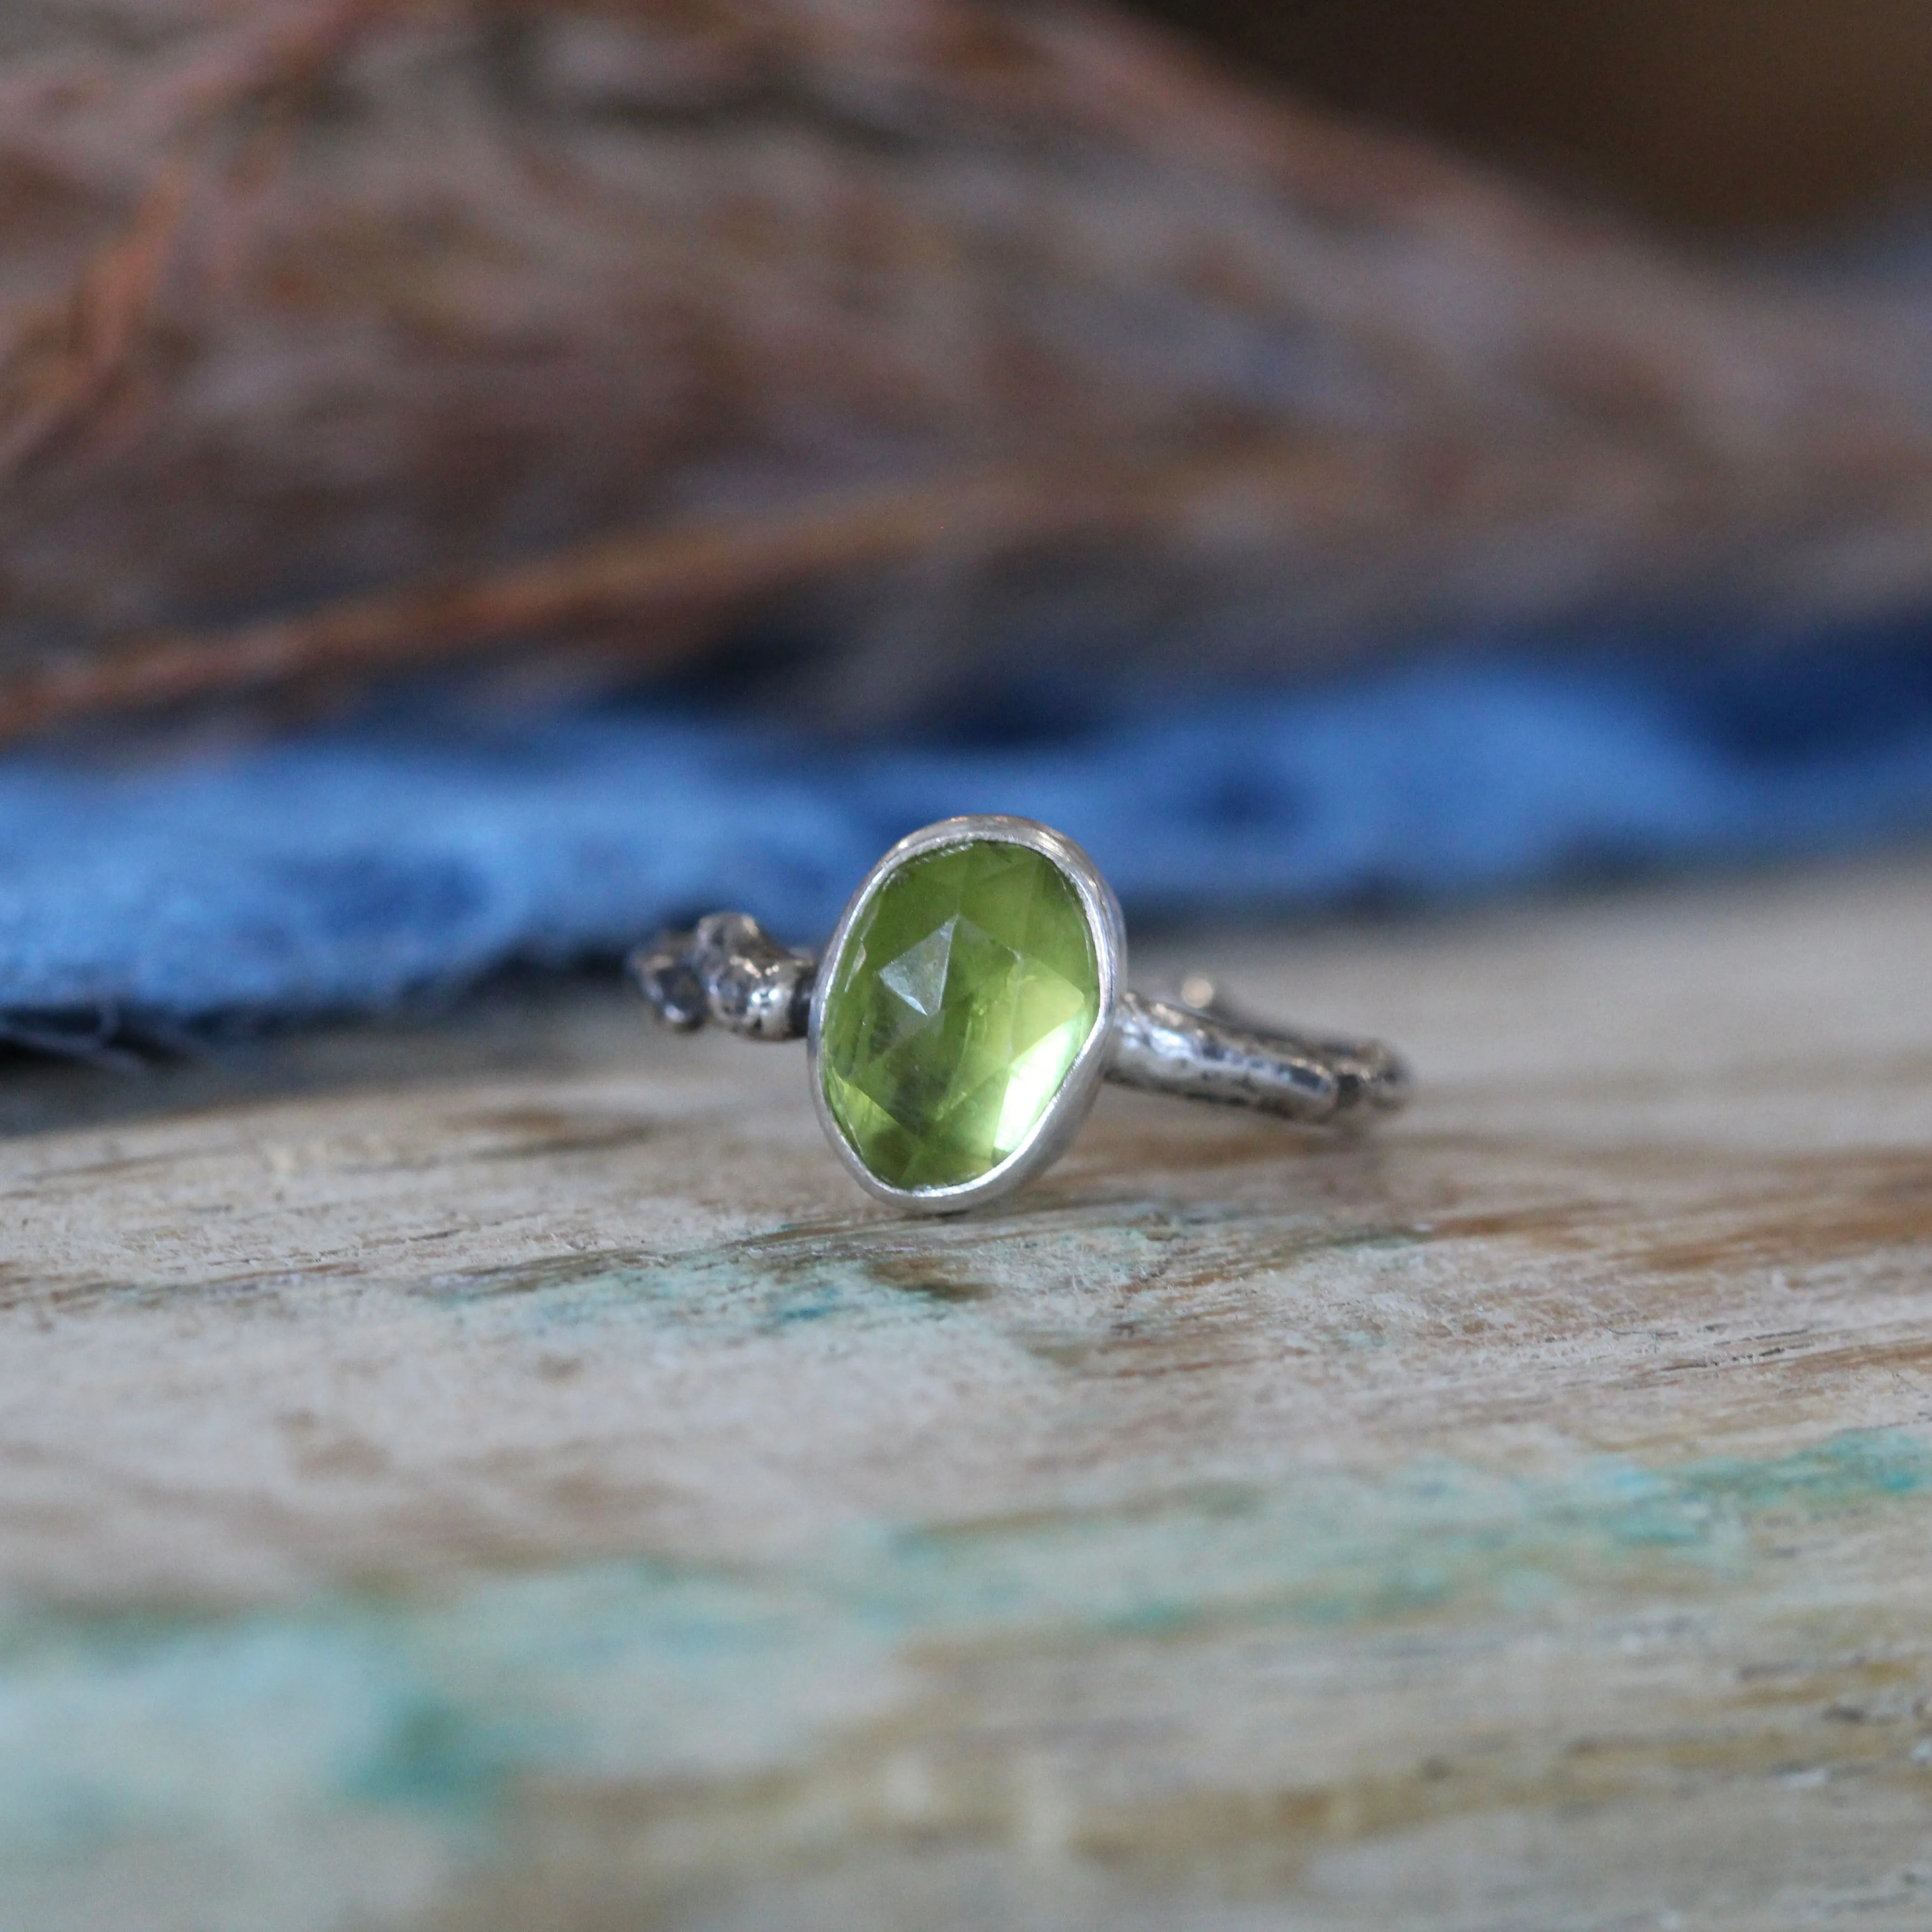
[964, 993]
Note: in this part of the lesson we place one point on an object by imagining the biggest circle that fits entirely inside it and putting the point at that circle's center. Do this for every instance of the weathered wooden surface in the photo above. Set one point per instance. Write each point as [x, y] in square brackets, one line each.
[942, 336]
[502, 1477]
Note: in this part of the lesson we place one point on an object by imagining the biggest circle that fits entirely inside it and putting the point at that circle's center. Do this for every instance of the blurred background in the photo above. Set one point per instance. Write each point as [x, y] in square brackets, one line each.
[478, 482]
[481, 480]
[1727, 119]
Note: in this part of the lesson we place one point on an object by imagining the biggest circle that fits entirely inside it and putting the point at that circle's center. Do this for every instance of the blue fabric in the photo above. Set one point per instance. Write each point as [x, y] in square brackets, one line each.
[346, 869]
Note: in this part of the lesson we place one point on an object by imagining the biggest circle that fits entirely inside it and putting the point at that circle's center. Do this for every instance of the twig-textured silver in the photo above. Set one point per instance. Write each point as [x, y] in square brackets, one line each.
[729, 971]
[1209, 1052]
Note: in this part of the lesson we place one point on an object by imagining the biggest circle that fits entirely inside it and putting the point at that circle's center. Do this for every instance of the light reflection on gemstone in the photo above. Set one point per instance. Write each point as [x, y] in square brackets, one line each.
[918, 975]
[1034, 1079]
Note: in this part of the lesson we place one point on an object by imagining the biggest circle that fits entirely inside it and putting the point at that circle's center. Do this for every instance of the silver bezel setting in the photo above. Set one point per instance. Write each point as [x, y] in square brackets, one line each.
[1054, 1130]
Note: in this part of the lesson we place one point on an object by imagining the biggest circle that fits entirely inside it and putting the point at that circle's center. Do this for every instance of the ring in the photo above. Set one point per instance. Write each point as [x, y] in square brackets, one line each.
[970, 1002]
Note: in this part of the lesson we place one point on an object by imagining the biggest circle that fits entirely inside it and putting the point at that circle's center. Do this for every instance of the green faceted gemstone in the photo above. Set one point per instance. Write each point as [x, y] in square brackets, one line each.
[964, 991]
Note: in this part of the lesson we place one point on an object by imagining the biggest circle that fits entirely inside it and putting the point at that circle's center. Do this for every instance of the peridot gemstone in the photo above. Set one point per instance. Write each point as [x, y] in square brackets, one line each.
[964, 992]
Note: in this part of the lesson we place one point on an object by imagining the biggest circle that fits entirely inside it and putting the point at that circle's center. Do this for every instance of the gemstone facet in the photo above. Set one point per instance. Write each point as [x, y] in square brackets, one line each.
[962, 995]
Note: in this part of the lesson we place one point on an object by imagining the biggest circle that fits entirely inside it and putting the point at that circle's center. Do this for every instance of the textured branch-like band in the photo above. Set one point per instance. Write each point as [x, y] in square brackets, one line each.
[727, 970]
[1210, 1052]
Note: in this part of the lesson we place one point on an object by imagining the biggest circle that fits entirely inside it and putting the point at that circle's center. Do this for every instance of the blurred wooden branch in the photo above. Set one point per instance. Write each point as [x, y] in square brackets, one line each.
[344, 335]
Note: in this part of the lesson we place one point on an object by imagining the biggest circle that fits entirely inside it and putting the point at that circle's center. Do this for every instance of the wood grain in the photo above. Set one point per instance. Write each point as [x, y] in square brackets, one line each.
[497, 1474]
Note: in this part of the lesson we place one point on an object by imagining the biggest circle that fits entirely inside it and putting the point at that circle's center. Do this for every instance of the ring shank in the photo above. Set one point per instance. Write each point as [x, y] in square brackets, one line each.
[728, 972]
[1209, 1052]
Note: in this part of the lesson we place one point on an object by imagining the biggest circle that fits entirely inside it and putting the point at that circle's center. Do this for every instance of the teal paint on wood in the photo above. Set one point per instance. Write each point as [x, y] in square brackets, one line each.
[868, 1275]
[231, 1736]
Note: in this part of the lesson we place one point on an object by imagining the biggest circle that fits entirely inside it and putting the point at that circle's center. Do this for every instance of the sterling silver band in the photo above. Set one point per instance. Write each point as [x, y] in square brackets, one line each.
[1198, 1048]
[728, 971]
